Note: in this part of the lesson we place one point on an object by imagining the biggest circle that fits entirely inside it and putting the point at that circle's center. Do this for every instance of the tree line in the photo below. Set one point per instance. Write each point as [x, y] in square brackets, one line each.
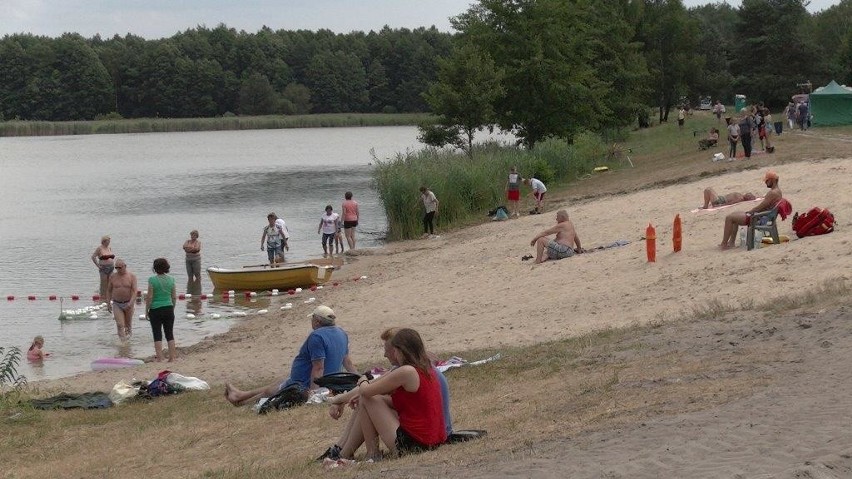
[537, 67]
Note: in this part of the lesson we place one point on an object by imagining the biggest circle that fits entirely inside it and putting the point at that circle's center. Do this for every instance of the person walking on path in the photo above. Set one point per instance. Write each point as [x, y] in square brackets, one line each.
[513, 191]
[350, 218]
[328, 228]
[192, 247]
[104, 260]
[160, 308]
[430, 203]
[121, 299]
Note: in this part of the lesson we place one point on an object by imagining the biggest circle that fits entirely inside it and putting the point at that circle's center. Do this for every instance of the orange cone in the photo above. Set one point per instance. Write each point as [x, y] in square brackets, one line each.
[651, 243]
[677, 235]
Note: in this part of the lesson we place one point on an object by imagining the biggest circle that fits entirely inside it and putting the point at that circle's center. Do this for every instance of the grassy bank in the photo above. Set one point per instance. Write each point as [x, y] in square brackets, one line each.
[467, 187]
[161, 125]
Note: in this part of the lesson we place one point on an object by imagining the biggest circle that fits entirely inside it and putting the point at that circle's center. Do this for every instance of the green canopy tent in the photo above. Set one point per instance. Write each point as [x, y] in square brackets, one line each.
[831, 105]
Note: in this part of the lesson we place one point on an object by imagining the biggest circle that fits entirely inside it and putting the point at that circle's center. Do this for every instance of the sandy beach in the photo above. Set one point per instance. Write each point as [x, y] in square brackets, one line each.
[469, 290]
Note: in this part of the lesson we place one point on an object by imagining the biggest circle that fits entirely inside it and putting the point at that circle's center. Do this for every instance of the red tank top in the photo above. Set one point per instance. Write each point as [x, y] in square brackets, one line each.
[421, 414]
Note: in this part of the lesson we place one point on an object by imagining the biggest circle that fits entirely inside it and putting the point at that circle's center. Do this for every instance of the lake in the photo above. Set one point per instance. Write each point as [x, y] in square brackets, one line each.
[59, 195]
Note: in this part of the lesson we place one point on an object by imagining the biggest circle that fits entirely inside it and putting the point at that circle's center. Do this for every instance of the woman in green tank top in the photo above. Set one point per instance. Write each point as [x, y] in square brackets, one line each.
[160, 308]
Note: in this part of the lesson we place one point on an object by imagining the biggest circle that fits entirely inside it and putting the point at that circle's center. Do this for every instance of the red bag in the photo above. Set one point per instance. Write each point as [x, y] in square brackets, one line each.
[817, 221]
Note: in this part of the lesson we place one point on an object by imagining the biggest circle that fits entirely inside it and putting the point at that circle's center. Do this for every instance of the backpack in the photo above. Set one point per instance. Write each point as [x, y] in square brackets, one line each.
[817, 221]
[290, 396]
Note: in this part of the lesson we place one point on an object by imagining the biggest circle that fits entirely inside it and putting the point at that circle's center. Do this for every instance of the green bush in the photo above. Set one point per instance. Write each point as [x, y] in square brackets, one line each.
[9, 377]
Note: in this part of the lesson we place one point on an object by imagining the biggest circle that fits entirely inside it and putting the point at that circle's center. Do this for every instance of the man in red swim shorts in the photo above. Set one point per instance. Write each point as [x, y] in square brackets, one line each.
[513, 190]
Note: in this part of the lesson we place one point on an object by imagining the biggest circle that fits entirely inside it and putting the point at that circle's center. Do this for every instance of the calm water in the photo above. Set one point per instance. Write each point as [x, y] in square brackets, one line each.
[59, 195]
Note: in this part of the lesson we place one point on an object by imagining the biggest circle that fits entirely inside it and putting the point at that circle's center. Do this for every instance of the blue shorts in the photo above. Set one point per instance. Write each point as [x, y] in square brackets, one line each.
[272, 251]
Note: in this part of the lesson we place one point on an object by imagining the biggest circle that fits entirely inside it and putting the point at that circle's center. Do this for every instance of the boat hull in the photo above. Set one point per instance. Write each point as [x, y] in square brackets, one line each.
[265, 278]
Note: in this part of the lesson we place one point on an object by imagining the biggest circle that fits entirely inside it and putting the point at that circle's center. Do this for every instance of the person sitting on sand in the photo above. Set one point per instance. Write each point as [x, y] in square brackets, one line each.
[734, 220]
[325, 351]
[403, 408]
[711, 199]
[566, 243]
[352, 436]
[36, 351]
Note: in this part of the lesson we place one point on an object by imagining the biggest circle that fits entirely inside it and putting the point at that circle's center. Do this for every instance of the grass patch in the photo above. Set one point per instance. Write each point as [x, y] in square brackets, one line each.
[163, 125]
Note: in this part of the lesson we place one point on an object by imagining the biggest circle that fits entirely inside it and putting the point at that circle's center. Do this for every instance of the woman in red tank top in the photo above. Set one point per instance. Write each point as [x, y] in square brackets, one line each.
[402, 407]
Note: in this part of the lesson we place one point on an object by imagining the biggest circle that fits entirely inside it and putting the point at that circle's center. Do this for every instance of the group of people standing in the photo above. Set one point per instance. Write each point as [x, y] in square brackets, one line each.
[798, 114]
[755, 120]
[119, 289]
[332, 226]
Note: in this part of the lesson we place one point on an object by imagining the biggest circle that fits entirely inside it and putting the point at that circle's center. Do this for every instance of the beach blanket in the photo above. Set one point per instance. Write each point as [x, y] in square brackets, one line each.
[716, 208]
[614, 244]
[96, 400]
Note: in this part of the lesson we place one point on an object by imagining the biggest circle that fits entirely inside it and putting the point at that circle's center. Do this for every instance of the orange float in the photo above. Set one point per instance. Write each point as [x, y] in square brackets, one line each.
[651, 243]
[677, 235]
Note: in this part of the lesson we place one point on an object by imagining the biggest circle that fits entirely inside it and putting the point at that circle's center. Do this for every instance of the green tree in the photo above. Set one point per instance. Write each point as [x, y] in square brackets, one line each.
[468, 86]
[716, 44]
[833, 34]
[338, 82]
[551, 86]
[669, 36]
[256, 96]
[774, 53]
[297, 98]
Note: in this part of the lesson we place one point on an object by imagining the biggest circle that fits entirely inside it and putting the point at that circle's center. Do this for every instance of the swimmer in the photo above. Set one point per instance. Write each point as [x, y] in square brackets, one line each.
[36, 353]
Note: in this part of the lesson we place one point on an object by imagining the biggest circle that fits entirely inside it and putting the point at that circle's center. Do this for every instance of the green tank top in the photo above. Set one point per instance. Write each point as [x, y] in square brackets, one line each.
[160, 286]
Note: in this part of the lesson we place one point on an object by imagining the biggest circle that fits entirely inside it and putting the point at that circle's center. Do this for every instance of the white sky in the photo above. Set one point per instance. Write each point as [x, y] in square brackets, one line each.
[164, 18]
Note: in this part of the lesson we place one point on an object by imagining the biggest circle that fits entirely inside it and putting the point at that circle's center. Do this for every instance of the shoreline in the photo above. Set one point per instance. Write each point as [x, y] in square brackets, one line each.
[469, 290]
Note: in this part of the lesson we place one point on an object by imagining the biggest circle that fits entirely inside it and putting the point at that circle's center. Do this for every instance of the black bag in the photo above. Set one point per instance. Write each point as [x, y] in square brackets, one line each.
[291, 396]
[338, 383]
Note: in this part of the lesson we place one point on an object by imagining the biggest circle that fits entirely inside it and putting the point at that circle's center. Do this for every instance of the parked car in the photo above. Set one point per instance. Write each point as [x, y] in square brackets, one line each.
[705, 104]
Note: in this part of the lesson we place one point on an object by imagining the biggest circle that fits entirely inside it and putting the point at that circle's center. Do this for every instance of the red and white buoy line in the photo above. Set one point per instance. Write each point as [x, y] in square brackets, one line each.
[184, 296]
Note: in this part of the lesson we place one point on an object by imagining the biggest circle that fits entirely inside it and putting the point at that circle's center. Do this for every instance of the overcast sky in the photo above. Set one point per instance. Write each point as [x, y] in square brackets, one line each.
[164, 18]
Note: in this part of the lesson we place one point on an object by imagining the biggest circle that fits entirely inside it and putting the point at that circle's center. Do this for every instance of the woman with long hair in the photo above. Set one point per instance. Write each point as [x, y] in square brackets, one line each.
[403, 408]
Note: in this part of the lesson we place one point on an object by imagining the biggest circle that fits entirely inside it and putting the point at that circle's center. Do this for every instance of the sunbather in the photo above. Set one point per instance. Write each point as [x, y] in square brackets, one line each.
[711, 199]
[734, 220]
[566, 243]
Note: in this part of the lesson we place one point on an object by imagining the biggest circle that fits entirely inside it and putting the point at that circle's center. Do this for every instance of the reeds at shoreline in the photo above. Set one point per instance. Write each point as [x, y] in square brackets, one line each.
[468, 187]
[162, 125]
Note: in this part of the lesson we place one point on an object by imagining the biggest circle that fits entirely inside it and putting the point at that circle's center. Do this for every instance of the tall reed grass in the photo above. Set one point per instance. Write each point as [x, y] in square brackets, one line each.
[468, 187]
[159, 125]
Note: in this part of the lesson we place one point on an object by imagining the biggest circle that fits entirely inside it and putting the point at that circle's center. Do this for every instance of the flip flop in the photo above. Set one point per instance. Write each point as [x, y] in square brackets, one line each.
[527, 257]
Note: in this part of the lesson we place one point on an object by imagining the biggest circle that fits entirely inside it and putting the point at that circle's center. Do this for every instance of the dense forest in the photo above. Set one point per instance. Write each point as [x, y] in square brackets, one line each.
[539, 67]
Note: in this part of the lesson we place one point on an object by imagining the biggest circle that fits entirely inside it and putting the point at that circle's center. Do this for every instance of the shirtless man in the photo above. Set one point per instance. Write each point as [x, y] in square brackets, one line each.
[121, 297]
[734, 220]
[714, 200]
[566, 243]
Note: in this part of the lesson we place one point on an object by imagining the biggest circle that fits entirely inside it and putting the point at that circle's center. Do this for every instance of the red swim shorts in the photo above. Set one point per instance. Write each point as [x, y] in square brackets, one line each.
[513, 195]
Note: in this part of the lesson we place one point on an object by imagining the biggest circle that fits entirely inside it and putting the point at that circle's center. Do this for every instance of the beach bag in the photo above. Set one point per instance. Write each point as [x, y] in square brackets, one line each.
[291, 396]
[338, 383]
[161, 387]
[123, 391]
[817, 221]
[188, 383]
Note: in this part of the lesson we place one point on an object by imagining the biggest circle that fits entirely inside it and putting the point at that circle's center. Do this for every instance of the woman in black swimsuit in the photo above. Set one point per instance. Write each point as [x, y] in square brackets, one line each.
[104, 260]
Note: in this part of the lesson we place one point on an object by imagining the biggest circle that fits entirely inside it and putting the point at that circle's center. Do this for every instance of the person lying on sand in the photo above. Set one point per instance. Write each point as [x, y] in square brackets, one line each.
[352, 437]
[325, 351]
[711, 199]
[734, 220]
[566, 243]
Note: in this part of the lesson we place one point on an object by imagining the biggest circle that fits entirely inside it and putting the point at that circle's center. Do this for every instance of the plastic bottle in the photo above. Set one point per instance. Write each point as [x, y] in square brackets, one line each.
[758, 239]
[743, 243]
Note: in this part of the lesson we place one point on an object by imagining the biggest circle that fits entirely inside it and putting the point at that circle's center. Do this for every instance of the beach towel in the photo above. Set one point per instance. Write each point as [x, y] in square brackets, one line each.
[716, 208]
[95, 400]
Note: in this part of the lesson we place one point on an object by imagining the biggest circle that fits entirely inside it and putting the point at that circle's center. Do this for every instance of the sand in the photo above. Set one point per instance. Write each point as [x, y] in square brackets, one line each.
[469, 289]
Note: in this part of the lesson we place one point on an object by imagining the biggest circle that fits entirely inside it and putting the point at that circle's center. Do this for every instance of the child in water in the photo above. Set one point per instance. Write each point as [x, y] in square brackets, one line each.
[36, 353]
